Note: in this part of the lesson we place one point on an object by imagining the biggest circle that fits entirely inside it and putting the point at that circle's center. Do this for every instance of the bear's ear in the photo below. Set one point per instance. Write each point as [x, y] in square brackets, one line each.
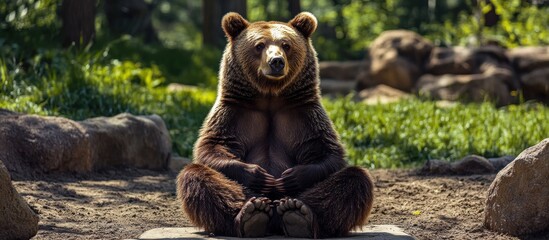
[233, 24]
[305, 23]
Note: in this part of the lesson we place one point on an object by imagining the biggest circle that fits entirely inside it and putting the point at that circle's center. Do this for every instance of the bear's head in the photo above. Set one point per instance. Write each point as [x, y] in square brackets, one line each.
[270, 55]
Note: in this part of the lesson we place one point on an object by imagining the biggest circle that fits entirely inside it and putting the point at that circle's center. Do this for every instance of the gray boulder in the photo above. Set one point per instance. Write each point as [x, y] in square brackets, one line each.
[31, 143]
[526, 59]
[469, 75]
[472, 164]
[454, 60]
[397, 58]
[463, 60]
[536, 84]
[17, 219]
[532, 67]
[345, 70]
[491, 83]
[35, 143]
[518, 198]
[128, 141]
[381, 94]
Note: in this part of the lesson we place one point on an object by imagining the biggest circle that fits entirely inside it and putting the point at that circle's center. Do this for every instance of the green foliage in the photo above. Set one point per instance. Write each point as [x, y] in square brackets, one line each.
[81, 85]
[194, 66]
[366, 20]
[178, 23]
[24, 14]
[408, 132]
[29, 23]
[520, 24]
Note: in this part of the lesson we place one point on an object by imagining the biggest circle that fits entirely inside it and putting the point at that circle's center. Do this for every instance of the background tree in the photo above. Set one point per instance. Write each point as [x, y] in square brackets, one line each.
[212, 12]
[294, 7]
[78, 18]
[133, 17]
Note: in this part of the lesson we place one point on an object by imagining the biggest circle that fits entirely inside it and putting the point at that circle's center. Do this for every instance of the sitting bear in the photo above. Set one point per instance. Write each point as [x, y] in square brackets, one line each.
[268, 160]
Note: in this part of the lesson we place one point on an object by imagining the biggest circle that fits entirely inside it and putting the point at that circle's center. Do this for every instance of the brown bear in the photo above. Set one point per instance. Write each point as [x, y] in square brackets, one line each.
[268, 160]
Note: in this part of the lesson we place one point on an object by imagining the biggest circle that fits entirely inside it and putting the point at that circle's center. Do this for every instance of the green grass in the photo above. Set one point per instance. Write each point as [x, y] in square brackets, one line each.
[80, 84]
[408, 132]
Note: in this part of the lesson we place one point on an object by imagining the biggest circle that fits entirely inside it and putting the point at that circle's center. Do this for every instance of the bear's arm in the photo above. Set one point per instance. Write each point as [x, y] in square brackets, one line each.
[219, 148]
[317, 156]
[221, 157]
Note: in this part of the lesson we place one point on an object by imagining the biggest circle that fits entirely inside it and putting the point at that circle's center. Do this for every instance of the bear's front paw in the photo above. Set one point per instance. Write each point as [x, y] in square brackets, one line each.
[288, 183]
[259, 180]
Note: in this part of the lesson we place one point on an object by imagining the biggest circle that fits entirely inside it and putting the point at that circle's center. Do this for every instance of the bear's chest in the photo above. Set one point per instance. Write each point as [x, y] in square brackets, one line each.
[270, 138]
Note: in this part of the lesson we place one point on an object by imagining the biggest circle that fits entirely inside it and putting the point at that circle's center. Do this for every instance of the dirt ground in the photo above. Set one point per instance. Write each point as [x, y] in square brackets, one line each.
[120, 204]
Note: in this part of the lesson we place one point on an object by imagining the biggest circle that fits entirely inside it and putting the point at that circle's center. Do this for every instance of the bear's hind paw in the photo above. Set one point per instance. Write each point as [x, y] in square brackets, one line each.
[253, 218]
[297, 218]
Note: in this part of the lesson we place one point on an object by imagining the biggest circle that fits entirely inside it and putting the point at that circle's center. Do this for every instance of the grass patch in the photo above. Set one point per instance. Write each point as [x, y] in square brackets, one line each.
[409, 132]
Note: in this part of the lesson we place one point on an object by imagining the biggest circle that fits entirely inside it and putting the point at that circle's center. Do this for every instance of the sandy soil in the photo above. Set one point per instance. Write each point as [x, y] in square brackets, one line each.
[122, 204]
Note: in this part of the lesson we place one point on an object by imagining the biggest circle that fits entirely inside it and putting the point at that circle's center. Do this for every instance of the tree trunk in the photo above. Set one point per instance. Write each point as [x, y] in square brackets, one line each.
[491, 18]
[78, 18]
[294, 6]
[133, 17]
[212, 13]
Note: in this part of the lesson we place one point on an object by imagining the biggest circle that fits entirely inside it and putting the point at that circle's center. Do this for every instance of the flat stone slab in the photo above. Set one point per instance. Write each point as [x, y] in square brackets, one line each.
[371, 232]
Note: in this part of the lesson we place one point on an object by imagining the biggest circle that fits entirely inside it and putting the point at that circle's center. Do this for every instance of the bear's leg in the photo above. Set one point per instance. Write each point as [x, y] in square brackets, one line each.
[217, 204]
[331, 208]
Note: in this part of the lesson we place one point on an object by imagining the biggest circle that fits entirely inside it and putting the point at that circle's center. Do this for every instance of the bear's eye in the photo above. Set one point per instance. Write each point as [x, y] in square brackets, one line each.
[286, 46]
[260, 46]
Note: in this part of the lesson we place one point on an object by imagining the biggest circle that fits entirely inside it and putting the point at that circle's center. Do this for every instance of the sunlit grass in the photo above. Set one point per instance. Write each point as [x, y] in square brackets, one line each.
[408, 132]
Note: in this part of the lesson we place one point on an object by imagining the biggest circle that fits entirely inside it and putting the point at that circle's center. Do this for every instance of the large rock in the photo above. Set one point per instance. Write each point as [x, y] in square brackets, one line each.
[381, 94]
[473, 75]
[127, 140]
[30, 143]
[347, 70]
[468, 88]
[472, 164]
[344, 77]
[336, 87]
[532, 67]
[518, 199]
[398, 57]
[454, 60]
[43, 144]
[371, 232]
[462, 60]
[17, 219]
[365, 80]
[526, 59]
[177, 163]
[535, 84]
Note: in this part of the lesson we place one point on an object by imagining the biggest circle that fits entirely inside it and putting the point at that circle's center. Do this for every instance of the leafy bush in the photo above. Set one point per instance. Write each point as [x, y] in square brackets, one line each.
[194, 67]
[520, 24]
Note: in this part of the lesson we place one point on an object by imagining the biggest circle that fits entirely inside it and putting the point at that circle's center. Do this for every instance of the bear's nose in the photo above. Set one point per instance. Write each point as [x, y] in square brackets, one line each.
[277, 64]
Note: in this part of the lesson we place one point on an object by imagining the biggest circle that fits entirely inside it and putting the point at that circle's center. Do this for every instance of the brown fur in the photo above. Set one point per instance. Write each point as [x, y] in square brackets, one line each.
[261, 126]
